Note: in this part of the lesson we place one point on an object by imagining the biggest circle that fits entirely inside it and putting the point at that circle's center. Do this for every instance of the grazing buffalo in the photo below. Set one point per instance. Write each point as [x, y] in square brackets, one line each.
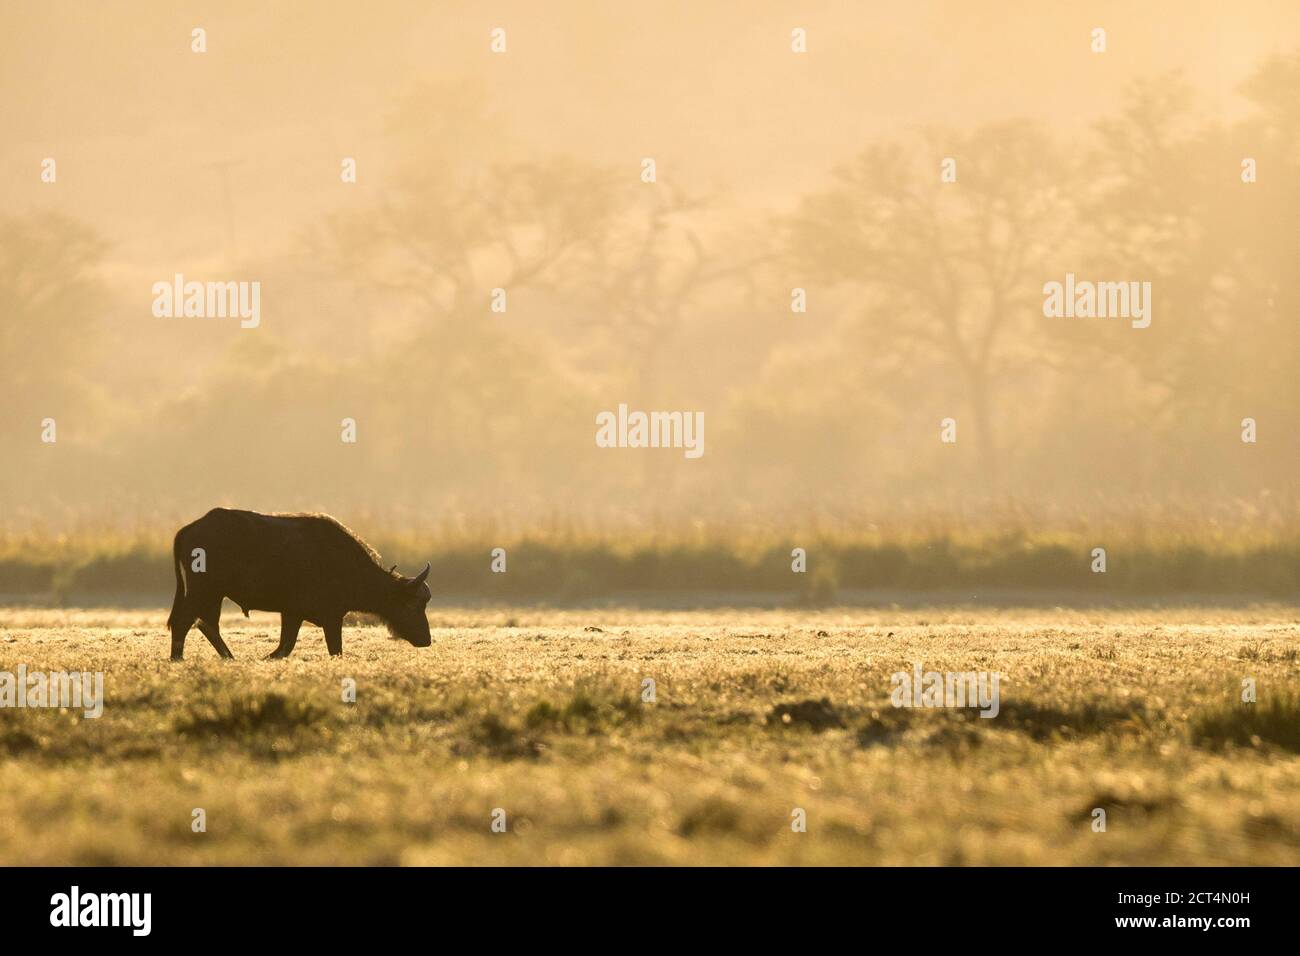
[307, 567]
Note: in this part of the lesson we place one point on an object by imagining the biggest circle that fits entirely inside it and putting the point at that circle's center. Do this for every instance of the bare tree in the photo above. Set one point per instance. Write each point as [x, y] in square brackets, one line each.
[654, 273]
[950, 271]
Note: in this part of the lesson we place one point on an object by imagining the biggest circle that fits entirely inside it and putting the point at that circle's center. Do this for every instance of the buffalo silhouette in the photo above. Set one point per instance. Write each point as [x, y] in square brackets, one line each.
[308, 567]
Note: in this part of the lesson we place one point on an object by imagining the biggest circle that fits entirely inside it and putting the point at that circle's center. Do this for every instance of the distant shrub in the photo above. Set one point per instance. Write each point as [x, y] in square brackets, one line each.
[567, 569]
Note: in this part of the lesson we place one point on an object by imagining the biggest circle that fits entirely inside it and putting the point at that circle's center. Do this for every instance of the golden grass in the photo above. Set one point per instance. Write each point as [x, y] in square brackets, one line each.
[757, 713]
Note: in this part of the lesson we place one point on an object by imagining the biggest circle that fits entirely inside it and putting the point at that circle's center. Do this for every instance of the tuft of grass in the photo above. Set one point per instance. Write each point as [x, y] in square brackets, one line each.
[505, 741]
[1044, 721]
[1253, 651]
[817, 715]
[586, 710]
[883, 728]
[16, 743]
[1113, 801]
[543, 714]
[249, 714]
[711, 816]
[1272, 722]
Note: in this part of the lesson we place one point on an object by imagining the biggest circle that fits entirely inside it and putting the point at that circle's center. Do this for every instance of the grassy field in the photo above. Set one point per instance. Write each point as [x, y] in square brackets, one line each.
[539, 713]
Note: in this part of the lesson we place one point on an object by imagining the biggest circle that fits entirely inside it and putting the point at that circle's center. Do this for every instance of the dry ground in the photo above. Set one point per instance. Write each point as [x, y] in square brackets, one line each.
[540, 714]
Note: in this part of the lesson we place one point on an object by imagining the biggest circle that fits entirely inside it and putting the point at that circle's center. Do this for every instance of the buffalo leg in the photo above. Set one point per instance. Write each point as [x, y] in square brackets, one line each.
[334, 636]
[181, 621]
[210, 625]
[288, 636]
[213, 633]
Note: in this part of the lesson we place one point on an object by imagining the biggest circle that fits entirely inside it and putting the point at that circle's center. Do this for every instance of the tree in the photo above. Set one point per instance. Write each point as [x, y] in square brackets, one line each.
[949, 273]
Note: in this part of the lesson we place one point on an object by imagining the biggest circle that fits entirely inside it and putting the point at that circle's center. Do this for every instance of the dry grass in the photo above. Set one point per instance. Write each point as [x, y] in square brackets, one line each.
[757, 712]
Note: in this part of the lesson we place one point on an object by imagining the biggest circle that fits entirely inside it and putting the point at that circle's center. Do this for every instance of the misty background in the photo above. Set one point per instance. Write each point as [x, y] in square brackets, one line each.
[775, 171]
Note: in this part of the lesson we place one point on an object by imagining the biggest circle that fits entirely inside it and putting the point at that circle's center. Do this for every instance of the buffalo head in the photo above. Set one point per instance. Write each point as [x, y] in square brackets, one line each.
[405, 615]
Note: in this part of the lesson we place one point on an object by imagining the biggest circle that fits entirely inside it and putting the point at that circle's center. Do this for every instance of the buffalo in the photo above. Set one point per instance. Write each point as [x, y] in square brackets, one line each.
[307, 567]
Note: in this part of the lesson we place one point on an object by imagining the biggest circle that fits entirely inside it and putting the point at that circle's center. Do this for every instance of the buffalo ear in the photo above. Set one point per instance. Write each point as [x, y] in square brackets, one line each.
[419, 578]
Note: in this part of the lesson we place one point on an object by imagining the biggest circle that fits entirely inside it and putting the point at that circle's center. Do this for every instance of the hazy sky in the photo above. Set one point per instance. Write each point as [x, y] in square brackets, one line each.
[149, 136]
[217, 164]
